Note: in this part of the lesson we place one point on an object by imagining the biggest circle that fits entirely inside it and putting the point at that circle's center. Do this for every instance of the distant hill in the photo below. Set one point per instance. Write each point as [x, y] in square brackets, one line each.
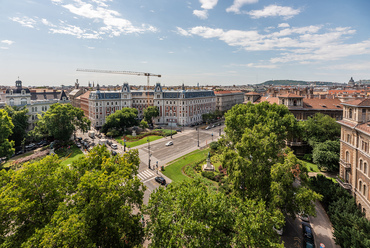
[293, 82]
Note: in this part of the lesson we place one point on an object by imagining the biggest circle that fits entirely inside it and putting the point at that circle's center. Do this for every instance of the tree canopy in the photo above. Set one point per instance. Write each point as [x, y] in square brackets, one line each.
[188, 214]
[120, 120]
[6, 129]
[326, 154]
[86, 204]
[150, 113]
[61, 120]
[20, 121]
[319, 128]
[258, 164]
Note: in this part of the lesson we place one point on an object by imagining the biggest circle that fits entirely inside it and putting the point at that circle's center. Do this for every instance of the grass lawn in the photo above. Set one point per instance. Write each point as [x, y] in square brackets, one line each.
[141, 141]
[76, 154]
[174, 170]
[310, 166]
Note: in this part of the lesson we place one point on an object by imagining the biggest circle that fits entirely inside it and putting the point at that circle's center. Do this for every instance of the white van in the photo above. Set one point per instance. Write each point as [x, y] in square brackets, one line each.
[114, 146]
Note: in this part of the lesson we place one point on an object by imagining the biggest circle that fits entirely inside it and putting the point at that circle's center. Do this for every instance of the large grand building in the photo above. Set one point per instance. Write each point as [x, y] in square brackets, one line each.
[355, 152]
[182, 107]
[36, 100]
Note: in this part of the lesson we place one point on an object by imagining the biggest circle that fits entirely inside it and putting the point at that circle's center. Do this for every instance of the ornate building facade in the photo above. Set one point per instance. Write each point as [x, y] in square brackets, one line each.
[354, 152]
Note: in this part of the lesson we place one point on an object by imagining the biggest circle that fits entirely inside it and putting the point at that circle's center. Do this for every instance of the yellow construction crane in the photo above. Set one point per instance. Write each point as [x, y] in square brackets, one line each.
[127, 73]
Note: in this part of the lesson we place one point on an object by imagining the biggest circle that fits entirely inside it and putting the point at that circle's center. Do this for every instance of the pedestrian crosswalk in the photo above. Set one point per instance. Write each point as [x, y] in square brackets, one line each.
[147, 174]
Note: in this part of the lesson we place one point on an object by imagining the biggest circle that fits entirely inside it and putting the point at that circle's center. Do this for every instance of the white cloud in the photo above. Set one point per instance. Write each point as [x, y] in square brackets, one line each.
[91, 48]
[261, 66]
[170, 52]
[208, 4]
[238, 4]
[75, 31]
[47, 23]
[182, 32]
[274, 10]
[301, 44]
[365, 66]
[283, 25]
[24, 21]
[4, 48]
[57, 1]
[202, 14]
[8, 42]
[98, 10]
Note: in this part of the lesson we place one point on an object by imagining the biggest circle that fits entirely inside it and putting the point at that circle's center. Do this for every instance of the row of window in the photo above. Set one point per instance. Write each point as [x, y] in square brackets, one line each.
[362, 188]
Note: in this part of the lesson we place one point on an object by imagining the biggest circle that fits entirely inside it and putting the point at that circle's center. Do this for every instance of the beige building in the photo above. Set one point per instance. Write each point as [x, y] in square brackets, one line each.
[355, 153]
[226, 99]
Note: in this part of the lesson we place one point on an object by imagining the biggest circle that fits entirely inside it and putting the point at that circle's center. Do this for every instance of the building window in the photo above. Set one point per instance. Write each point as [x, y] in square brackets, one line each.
[364, 191]
[360, 185]
[348, 138]
[347, 157]
[360, 164]
[365, 168]
[350, 113]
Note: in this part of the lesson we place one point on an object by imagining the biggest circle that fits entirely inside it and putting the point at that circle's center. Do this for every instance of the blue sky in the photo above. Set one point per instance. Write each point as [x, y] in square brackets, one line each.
[210, 42]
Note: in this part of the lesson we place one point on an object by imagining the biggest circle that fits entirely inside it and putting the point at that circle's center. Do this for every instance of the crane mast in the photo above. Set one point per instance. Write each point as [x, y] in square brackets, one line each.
[146, 74]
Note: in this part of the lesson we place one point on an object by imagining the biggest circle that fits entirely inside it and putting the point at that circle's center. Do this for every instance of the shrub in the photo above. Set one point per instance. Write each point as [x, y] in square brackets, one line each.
[214, 145]
[308, 157]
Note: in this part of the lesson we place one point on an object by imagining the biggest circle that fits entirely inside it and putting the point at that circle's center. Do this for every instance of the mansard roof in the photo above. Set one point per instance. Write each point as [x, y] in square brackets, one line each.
[358, 103]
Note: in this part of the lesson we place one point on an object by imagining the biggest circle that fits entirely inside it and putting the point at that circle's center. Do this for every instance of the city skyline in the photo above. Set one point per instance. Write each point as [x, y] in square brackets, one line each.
[209, 42]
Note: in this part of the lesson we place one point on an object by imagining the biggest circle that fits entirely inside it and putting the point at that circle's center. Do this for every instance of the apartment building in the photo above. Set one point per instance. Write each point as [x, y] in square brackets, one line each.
[354, 152]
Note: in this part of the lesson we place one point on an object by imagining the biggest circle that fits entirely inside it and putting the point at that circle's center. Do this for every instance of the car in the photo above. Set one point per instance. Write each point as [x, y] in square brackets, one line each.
[178, 130]
[192, 125]
[304, 217]
[19, 152]
[114, 146]
[79, 138]
[213, 125]
[114, 153]
[308, 243]
[169, 143]
[219, 124]
[307, 231]
[161, 180]
[78, 145]
[208, 127]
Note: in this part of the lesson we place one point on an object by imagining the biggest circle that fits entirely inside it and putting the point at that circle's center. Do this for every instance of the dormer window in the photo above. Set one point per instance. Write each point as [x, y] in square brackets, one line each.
[23, 92]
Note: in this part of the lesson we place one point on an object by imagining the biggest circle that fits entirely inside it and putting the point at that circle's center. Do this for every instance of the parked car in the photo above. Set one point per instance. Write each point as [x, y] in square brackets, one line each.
[208, 127]
[178, 130]
[114, 146]
[307, 231]
[114, 153]
[304, 217]
[213, 125]
[219, 124]
[169, 143]
[161, 180]
[30, 146]
[308, 243]
[78, 145]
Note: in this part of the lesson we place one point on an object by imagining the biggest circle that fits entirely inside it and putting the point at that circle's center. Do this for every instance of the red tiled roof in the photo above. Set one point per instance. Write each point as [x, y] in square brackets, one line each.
[268, 99]
[358, 102]
[332, 104]
[290, 95]
[84, 95]
[364, 127]
[347, 123]
[223, 92]
[252, 93]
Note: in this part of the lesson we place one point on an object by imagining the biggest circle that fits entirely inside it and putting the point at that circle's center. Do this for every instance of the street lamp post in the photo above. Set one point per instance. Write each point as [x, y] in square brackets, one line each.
[171, 127]
[124, 145]
[219, 132]
[148, 152]
[212, 136]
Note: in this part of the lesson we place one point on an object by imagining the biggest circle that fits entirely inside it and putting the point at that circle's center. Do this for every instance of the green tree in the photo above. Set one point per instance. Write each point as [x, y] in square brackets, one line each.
[276, 117]
[326, 154]
[20, 121]
[319, 128]
[6, 127]
[120, 120]
[86, 204]
[61, 120]
[258, 164]
[150, 113]
[144, 124]
[188, 214]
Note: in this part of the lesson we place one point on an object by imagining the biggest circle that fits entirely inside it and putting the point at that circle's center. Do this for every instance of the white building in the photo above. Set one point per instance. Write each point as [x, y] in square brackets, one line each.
[182, 107]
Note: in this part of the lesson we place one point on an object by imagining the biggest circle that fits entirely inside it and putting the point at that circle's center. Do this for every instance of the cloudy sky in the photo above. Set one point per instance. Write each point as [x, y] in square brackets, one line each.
[210, 42]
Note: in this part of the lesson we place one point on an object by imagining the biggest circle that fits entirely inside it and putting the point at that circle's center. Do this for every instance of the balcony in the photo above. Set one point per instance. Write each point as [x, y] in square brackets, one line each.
[345, 164]
[344, 184]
